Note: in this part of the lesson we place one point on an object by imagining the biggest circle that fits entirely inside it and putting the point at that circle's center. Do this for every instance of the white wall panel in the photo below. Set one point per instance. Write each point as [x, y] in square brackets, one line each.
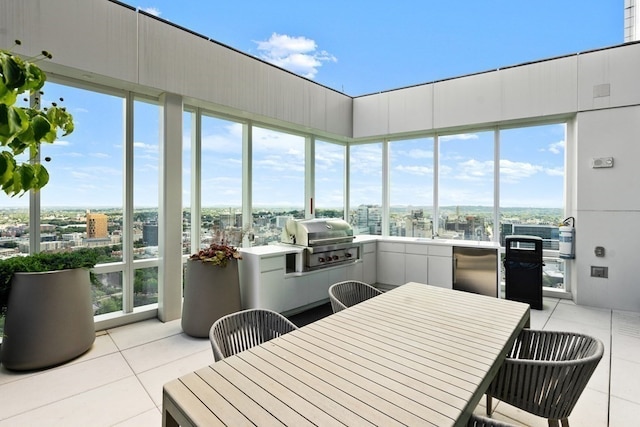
[616, 232]
[609, 78]
[608, 208]
[411, 109]
[609, 133]
[89, 36]
[539, 89]
[371, 115]
[467, 100]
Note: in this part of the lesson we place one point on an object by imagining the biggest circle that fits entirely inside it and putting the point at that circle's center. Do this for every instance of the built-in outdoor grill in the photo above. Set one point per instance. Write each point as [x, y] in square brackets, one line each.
[326, 241]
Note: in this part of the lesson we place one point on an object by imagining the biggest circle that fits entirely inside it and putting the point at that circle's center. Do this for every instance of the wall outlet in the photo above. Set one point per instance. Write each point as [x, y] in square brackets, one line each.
[599, 272]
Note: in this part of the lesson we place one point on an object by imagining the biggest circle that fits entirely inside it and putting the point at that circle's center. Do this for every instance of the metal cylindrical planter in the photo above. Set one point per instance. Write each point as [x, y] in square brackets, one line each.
[49, 319]
[210, 292]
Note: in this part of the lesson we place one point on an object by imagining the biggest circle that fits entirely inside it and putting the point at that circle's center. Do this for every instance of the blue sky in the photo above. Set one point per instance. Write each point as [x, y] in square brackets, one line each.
[362, 47]
[357, 47]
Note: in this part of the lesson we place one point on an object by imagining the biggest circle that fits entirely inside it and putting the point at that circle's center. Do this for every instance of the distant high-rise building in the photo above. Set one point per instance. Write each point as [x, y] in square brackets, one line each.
[97, 226]
[150, 234]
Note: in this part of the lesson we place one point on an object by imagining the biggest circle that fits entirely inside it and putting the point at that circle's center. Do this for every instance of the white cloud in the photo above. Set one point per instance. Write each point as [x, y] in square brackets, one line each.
[296, 54]
[474, 170]
[414, 170]
[557, 147]
[512, 172]
[151, 10]
[145, 147]
[461, 136]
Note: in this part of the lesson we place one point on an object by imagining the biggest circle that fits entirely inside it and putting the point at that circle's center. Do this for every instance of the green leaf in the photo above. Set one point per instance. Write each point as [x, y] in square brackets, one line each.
[41, 127]
[41, 176]
[7, 166]
[13, 71]
[27, 176]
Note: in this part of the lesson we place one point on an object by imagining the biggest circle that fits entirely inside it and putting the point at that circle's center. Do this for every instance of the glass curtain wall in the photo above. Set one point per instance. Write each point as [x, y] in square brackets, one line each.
[83, 204]
[466, 186]
[146, 145]
[532, 174]
[411, 187]
[329, 179]
[365, 188]
[221, 181]
[278, 182]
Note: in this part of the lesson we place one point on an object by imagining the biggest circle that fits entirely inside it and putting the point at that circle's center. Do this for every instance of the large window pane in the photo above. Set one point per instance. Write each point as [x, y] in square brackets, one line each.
[411, 187]
[329, 180]
[532, 190]
[465, 190]
[365, 190]
[82, 206]
[145, 199]
[221, 185]
[278, 182]
[145, 179]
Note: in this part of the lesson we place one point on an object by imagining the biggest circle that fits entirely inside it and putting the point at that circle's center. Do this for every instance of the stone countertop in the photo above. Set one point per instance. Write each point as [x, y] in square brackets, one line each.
[281, 249]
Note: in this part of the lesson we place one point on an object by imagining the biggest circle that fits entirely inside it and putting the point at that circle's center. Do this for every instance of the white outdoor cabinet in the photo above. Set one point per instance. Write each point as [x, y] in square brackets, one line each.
[391, 263]
[440, 266]
[266, 282]
[369, 273]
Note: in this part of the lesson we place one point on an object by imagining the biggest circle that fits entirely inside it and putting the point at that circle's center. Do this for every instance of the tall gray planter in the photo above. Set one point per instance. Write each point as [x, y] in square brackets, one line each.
[49, 319]
[210, 292]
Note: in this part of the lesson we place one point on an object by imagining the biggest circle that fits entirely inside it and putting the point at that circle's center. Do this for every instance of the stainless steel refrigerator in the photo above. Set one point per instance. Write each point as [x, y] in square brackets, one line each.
[475, 270]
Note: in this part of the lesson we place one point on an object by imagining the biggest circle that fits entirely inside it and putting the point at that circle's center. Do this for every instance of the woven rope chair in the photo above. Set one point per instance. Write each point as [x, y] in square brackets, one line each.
[242, 330]
[480, 421]
[348, 293]
[545, 373]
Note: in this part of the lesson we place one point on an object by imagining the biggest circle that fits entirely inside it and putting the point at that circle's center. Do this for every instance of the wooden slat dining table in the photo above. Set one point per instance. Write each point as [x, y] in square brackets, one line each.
[417, 355]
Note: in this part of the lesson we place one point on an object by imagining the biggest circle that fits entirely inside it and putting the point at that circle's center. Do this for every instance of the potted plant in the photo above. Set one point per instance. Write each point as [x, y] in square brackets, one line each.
[211, 287]
[47, 302]
[23, 129]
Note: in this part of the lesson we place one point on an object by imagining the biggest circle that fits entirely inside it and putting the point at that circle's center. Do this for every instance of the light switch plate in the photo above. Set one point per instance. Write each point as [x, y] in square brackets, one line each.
[602, 162]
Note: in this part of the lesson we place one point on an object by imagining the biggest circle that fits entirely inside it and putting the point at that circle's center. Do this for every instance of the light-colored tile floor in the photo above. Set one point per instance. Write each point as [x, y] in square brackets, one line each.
[119, 381]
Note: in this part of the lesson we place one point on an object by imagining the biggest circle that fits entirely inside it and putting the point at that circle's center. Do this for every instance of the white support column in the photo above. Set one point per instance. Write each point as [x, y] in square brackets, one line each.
[127, 217]
[496, 186]
[436, 186]
[170, 209]
[347, 183]
[247, 187]
[34, 196]
[385, 189]
[196, 179]
[310, 177]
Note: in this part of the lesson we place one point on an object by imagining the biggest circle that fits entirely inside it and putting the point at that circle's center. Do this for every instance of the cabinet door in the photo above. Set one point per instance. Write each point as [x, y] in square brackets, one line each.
[440, 271]
[369, 274]
[416, 268]
[272, 295]
[390, 268]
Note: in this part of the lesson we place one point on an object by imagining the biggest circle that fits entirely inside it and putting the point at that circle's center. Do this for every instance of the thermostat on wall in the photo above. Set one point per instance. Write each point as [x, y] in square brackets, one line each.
[602, 162]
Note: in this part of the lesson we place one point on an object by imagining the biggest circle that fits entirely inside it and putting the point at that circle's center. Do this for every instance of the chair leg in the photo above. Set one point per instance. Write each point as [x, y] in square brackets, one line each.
[565, 422]
[489, 407]
[553, 423]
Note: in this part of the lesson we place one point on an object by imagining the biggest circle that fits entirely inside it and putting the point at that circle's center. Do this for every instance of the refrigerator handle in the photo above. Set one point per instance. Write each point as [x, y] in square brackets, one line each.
[455, 268]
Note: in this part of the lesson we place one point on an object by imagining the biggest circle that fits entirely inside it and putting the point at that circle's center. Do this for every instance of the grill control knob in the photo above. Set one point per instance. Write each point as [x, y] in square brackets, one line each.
[347, 255]
[320, 259]
[335, 257]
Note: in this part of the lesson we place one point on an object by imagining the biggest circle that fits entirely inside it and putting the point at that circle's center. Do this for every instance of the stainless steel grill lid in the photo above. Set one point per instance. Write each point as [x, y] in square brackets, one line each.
[317, 232]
